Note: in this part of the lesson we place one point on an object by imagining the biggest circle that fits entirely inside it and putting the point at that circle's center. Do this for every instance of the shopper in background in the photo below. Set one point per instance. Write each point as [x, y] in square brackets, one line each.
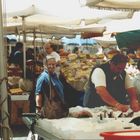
[29, 54]
[50, 51]
[18, 55]
[63, 53]
[76, 50]
[136, 80]
[110, 85]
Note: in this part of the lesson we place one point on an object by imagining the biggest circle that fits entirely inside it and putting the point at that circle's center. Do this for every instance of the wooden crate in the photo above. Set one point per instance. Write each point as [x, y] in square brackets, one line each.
[17, 108]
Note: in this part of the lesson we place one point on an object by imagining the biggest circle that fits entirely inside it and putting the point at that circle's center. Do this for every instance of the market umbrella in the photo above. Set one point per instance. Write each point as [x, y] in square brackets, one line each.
[129, 39]
[114, 4]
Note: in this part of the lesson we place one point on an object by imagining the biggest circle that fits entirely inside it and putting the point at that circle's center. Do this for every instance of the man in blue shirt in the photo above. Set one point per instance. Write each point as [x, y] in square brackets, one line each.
[48, 85]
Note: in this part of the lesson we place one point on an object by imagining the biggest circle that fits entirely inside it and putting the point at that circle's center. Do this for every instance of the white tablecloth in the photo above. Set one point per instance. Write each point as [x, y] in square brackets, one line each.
[81, 128]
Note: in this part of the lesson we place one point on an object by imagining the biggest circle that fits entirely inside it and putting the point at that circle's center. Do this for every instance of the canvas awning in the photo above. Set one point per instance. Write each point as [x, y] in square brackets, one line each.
[114, 4]
[130, 39]
[51, 16]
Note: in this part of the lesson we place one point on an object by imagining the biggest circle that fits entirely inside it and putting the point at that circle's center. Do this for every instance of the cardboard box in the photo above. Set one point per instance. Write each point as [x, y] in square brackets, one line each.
[17, 108]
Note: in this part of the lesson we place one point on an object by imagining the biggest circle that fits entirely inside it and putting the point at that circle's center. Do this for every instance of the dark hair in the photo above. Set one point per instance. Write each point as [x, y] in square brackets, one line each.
[119, 58]
[19, 45]
[30, 49]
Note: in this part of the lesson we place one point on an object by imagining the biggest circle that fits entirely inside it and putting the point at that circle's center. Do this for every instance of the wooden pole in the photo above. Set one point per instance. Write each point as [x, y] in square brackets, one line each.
[3, 87]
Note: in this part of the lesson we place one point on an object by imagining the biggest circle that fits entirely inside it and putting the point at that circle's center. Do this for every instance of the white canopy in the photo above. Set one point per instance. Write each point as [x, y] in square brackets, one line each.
[118, 4]
[65, 17]
[106, 41]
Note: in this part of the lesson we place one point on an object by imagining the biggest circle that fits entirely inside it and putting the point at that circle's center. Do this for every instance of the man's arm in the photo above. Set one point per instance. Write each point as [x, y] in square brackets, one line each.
[131, 90]
[99, 80]
[107, 98]
[134, 104]
[38, 102]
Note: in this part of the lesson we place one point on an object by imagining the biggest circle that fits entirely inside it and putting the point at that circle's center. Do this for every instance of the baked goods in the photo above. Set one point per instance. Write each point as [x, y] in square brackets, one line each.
[16, 91]
[131, 55]
[111, 53]
[100, 56]
[72, 56]
[138, 53]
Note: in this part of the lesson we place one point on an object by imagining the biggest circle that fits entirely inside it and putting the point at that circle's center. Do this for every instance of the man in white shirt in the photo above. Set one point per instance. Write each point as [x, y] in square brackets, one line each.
[50, 51]
[110, 85]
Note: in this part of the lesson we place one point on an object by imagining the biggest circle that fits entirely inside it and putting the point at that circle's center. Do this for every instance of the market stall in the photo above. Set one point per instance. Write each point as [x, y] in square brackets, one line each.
[75, 71]
[19, 90]
[76, 68]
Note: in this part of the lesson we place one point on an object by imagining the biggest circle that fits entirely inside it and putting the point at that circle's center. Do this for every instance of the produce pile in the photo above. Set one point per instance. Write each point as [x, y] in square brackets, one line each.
[76, 69]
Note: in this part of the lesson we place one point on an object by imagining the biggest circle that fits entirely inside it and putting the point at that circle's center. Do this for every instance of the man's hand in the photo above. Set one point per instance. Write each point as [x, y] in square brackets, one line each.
[135, 106]
[121, 107]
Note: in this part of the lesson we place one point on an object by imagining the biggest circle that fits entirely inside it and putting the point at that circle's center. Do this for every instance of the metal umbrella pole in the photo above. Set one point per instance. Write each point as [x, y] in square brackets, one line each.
[3, 87]
[24, 46]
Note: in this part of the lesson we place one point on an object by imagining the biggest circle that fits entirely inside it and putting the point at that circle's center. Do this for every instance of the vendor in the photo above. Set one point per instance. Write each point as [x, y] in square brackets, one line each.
[109, 84]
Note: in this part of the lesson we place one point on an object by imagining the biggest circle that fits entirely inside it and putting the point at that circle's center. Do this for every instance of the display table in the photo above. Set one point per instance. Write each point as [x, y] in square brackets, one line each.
[18, 105]
[54, 130]
[77, 128]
